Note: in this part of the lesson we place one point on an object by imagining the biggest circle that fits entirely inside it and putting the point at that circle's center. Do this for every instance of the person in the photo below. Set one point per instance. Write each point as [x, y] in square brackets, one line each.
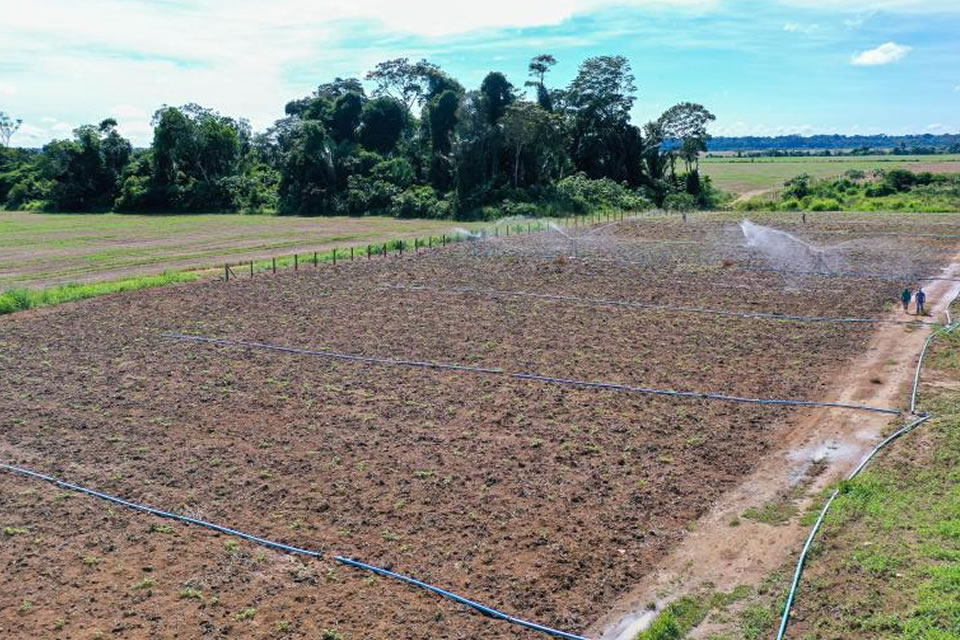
[905, 298]
[921, 297]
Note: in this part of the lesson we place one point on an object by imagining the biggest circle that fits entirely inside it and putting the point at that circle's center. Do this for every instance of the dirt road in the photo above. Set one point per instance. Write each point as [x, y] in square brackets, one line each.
[717, 556]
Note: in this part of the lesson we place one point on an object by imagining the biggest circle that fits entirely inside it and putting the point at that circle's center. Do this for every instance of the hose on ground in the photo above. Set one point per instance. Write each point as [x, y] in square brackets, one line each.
[950, 327]
[651, 307]
[587, 384]
[279, 546]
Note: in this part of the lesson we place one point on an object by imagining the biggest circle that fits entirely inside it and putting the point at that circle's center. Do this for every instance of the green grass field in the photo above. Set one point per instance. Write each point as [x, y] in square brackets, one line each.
[744, 175]
[40, 250]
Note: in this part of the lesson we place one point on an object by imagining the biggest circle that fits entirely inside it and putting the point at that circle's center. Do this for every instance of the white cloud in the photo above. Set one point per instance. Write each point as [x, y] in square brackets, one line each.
[893, 6]
[884, 54]
[7, 89]
[796, 27]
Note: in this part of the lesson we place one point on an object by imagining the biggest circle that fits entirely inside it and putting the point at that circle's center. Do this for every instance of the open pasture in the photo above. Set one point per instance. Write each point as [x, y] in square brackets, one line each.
[544, 499]
[745, 175]
[45, 249]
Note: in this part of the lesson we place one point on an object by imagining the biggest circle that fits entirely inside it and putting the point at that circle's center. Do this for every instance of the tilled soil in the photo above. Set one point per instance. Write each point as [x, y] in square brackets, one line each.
[547, 501]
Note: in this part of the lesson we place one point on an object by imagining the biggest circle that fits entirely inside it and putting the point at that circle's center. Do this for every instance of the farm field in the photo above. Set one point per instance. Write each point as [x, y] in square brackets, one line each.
[545, 499]
[751, 175]
[45, 249]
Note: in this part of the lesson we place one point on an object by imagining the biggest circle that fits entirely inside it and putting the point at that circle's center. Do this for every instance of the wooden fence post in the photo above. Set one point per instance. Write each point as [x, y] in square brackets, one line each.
[226, 272]
[384, 249]
[274, 265]
[334, 254]
[251, 268]
[400, 248]
[316, 260]
[296, 262]
[351, 254]
[368, 252]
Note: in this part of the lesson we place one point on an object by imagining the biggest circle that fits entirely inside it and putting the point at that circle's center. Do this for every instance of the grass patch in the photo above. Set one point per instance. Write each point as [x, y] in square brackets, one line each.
[14, 300]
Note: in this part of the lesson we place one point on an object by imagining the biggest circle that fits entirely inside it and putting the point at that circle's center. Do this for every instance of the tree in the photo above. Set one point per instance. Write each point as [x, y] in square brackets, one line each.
[85, 171]
[442, 112]
[345, 117]
[604, 143]
[497, 94]
[8, 127]
[538, 68]
[382, 123]
[402, 81]
[195, 151]
[526, 124]
[686, 124]
[603, 90]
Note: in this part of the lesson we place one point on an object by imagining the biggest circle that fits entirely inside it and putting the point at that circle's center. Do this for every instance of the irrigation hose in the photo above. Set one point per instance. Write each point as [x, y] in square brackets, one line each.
[573, 382]
[652, 307]
[949, 328]
[278, 546]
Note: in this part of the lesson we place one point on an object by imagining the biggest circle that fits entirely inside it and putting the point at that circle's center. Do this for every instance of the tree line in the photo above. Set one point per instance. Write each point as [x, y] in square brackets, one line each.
[879, 144]
[418, 144]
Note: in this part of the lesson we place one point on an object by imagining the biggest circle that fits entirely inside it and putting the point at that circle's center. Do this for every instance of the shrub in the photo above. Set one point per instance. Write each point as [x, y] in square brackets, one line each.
[419, 202]
[825, 204]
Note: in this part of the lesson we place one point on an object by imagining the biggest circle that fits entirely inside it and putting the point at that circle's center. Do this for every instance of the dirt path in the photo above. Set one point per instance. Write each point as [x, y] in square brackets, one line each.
[746, 195]
[719, 557]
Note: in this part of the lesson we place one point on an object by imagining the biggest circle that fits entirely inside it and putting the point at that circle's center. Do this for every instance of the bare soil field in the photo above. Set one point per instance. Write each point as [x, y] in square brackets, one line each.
[548, 501]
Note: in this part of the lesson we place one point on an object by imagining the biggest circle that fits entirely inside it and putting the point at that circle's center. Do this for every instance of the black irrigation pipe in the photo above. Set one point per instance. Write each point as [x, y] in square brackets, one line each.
[573, 382]
[278, 546]
[653, 307]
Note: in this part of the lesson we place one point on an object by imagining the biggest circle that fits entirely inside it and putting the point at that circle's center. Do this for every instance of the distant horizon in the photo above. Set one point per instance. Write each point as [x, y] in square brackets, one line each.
[782, 67]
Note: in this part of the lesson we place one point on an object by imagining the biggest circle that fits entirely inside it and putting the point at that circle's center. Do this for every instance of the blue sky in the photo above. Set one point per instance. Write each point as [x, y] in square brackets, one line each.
[764, 68]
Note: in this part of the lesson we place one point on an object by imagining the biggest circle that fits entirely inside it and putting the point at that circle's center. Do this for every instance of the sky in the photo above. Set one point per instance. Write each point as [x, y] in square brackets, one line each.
[763, 67]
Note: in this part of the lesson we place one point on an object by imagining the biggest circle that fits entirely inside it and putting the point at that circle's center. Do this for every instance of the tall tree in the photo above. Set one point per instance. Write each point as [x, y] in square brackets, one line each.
[402, 80]
[685, 124]
[497, 94]
[599, 100]
[382, 123]
[538, 68]
[8, 127]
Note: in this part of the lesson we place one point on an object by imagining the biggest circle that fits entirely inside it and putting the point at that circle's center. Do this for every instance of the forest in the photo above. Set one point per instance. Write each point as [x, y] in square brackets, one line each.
[408, 140]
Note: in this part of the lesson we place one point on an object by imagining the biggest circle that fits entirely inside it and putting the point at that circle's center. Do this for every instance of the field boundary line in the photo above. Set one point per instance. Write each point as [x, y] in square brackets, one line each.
[652, 307]
[589, 384]
[279, 546]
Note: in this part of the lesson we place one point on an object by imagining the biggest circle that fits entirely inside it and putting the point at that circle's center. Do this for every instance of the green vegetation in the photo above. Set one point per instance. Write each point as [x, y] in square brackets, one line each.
[893, 565]
[744, 175]
[684, 614]
[20, 299]
[892, 190]
[421, 145]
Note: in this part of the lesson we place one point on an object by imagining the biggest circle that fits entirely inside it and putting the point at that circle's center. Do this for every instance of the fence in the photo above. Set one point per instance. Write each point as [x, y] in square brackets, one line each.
[397, 247]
